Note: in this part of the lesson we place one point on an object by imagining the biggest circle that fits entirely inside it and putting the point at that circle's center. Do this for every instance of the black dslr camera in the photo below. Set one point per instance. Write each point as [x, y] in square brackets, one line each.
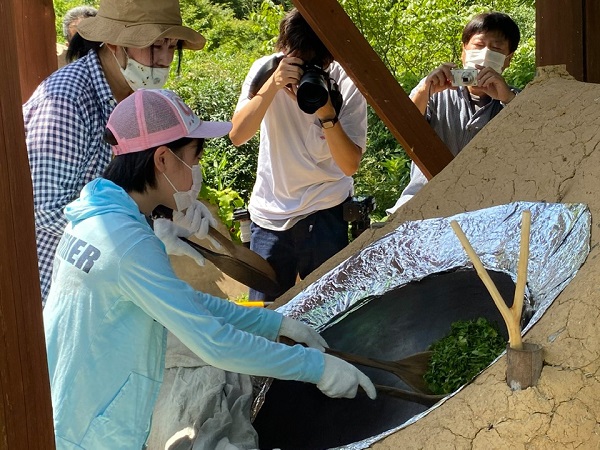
[356, 211]
[314, 87]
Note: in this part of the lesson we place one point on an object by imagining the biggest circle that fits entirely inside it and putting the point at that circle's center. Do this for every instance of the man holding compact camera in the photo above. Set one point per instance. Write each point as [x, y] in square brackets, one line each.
[458, 103]
[313, 129]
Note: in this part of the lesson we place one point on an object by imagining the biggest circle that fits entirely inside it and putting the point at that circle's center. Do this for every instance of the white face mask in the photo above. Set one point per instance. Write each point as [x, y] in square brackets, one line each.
[140, 76]
[484, 57]
[183, 200]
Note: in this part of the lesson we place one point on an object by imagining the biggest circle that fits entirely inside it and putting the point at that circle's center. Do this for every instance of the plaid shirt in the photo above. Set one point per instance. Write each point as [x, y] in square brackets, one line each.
[65, 120]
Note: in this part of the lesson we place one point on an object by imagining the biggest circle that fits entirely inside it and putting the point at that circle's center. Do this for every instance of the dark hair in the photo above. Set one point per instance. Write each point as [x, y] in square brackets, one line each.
[296, 34]
[80, 47]
[493, 22]
[134, 172]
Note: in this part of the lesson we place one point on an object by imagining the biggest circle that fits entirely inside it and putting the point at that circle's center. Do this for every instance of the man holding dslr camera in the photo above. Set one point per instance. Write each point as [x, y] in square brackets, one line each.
[458, 103]
[310, 146]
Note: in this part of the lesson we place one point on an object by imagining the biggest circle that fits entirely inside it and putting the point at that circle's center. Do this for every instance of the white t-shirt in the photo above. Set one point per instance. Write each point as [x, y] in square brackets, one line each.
[296, 173]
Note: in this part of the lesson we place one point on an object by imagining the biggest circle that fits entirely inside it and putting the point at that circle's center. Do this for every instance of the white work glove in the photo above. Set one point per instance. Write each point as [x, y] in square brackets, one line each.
[196, 219]
[169, 232]
[301, 333]
[341, 379]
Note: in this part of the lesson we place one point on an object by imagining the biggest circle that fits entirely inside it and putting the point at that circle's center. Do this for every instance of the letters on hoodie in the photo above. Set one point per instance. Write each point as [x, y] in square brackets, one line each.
[78, 252]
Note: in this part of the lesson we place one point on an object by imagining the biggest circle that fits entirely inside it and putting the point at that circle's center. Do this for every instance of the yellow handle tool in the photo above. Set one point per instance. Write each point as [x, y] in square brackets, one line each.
[253, 303]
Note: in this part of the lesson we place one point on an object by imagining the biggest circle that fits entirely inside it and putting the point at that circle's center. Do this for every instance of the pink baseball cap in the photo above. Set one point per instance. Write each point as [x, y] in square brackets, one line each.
[150, 118]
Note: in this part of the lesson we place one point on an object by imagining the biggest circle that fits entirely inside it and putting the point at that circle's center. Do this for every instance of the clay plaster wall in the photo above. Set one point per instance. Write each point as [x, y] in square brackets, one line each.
[545, 146]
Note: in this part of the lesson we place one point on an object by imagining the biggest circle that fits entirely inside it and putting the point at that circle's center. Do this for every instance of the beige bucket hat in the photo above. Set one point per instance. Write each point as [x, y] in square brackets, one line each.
[138, 24]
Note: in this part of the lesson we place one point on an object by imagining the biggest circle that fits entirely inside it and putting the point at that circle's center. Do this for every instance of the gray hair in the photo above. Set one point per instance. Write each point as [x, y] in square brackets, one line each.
[73, 14]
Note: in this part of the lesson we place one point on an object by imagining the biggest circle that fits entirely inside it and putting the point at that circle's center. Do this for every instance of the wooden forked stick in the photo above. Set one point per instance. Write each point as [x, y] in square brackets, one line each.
[517, 307]
[512, 315]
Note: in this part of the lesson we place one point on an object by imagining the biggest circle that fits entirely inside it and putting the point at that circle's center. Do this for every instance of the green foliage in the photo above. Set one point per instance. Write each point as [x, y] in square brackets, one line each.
[384, 169]
[224, 32]
[240, 298]
[227, 201]
[245, 8]
[469, 348]
[267, 18]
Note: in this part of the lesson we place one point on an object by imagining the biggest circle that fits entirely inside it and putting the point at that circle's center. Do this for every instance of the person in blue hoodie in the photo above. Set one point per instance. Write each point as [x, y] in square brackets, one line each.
[114, 292]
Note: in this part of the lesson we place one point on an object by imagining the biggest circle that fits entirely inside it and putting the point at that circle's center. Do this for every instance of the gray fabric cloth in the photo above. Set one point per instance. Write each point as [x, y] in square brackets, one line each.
[456, 121]
[200, 407]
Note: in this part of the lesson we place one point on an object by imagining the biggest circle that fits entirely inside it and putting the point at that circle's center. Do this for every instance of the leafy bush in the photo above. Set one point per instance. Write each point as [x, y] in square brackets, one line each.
[384, 169]
[227, 201]
[469, 348]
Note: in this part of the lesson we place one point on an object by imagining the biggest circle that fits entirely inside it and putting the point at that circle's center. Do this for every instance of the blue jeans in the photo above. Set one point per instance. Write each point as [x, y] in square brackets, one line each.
[302, 248]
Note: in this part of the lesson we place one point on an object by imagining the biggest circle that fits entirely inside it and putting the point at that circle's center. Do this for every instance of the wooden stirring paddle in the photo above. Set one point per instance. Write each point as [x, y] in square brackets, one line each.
[410, 369]
[415, 397]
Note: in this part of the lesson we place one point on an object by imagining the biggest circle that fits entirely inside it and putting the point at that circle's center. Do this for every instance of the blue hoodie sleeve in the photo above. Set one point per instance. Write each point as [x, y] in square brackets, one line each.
[213, 330]
[263, 322]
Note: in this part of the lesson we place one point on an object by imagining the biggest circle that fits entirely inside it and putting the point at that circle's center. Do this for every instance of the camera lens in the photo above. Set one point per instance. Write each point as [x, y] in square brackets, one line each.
[312, 92]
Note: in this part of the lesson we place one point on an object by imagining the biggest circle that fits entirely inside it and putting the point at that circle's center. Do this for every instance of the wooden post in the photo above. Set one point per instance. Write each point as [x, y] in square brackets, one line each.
[559, 35]
[35, 47]
[592, 41]
[25, 410]
[383, 92]
[524, 366]
[568, 32]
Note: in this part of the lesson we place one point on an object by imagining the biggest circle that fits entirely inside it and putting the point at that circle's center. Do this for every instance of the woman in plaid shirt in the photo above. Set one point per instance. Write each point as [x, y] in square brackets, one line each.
[131, 45]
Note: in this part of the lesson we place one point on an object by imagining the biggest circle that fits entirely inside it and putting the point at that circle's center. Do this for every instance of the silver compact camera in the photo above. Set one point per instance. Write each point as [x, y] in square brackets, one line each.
[464, 77]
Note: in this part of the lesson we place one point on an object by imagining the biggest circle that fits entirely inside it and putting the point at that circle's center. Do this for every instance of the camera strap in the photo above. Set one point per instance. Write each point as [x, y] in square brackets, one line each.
[336, 96]
[263, 75]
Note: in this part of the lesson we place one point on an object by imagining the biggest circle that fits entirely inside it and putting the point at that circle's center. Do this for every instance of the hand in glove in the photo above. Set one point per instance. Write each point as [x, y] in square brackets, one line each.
[169, 232]
[301, 333]
[341, 379]
[196, 219]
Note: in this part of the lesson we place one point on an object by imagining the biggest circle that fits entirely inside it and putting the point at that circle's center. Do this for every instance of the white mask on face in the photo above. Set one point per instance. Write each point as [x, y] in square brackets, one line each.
[140, 76]
[183, 200]
[484, 57]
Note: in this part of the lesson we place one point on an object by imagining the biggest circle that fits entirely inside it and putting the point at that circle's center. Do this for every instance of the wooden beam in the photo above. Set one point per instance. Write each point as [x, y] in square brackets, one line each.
[36, 43]
[559, 35]
[349, 47]
[25, 405]
[592, 41]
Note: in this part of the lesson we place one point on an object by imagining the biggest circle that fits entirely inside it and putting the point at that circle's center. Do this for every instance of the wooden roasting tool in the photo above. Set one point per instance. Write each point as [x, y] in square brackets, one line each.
[240, 263]
[410, 369]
